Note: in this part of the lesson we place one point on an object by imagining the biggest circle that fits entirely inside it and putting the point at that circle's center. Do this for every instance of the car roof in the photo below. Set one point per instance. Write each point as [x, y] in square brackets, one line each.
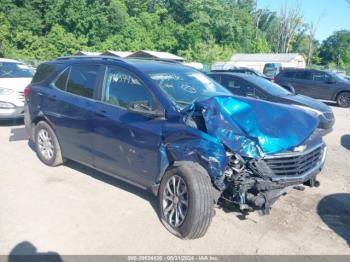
[143, 64]
[6, 60]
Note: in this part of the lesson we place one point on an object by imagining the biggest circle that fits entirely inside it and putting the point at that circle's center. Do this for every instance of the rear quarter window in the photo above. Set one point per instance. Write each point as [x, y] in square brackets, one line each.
[43, 72]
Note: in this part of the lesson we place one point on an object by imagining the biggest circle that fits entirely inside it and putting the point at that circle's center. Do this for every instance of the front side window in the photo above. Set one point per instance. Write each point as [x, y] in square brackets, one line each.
[269, 87]
[15, 70]
[320, 76]
[82, 80]
[121, 88]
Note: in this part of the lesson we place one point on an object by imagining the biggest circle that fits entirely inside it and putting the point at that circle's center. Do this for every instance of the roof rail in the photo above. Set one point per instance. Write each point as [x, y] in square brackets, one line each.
[113, 58]
[83, 57]
[155, 59]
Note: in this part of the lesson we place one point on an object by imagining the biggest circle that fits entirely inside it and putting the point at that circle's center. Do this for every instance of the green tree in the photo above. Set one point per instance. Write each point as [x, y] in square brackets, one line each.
[335, 49]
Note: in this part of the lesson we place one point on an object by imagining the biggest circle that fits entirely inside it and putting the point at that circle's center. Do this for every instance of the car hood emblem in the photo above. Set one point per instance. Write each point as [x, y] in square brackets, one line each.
[299, 149]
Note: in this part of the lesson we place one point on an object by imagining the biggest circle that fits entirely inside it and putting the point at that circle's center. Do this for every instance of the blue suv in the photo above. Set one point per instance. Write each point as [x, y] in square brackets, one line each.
[170, 129]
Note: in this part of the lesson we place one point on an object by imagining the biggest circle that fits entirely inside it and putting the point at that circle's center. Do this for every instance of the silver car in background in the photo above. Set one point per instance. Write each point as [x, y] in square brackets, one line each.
[14, 77]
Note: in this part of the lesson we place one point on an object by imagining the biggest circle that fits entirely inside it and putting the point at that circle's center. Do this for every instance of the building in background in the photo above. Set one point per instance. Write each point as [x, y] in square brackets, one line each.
[121, 54]
[259, 61]
[87, 53]
[156, 55]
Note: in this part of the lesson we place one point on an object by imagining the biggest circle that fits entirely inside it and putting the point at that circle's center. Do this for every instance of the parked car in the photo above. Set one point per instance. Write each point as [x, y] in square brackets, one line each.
[256, 87]
[316, 84]
[172, 130]
[14, 77]
[244, 70]
[272, 69]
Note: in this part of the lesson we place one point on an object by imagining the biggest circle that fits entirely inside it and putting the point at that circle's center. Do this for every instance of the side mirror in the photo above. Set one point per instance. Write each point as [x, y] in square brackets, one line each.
[142, 108]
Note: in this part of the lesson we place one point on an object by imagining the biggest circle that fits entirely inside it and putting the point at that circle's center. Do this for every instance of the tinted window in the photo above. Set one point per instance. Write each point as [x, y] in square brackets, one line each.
[43, 72]
[82, 80]
[269, 87]
[15, 70]
[216, 78]
[120, 88]
[236, 86]
[288, 74]
[306, 75]
[61, 81]
[320, 76]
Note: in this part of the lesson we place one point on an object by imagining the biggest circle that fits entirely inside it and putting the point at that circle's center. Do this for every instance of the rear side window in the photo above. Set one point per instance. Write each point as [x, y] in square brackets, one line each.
[216, 78]
[82, 80]
[43, 72]
[288, 74]
[304, 75]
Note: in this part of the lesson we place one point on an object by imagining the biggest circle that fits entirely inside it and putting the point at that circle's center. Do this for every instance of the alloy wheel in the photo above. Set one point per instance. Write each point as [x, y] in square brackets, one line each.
[175, 201]
[344, 100]
[45, 144]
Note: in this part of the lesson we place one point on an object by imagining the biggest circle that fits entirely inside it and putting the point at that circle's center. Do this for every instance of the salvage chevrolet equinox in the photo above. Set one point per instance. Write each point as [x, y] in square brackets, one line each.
[170, 129]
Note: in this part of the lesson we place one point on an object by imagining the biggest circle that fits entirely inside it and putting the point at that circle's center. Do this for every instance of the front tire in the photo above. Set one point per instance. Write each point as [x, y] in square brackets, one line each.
[343, 99]
[186, 201]
[46, 145]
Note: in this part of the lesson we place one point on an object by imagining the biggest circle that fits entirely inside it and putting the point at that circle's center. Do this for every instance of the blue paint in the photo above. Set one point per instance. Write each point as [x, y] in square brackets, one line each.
[254, 128]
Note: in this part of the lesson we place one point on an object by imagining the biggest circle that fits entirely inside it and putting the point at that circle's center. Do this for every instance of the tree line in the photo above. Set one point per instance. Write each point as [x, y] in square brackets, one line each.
[199, 30]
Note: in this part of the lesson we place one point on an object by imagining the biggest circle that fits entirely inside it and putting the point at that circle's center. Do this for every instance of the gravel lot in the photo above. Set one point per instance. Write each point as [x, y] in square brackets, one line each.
[75, 210]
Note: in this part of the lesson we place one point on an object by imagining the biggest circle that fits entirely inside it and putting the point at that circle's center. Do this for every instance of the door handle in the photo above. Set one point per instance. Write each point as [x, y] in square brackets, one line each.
[53, 98]
[101, 113]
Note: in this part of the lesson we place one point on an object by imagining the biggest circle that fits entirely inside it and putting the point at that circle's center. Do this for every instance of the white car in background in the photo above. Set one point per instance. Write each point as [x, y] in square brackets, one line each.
[14, 77]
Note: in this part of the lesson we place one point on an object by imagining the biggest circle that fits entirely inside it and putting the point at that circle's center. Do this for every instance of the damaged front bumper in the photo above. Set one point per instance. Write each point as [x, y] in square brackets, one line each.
[260, 182]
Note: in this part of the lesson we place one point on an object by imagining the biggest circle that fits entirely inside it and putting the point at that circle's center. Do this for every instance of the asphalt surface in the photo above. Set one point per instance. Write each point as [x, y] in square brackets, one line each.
[73, 209]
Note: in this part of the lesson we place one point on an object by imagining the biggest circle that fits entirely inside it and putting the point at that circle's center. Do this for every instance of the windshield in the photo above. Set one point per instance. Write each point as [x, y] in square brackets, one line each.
[14, 70]
[184, 85]
[339, 78]
[269, 87]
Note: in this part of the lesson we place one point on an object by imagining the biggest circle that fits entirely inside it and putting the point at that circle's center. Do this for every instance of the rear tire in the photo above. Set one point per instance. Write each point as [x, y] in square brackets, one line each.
[343, 99]
[46, 145]
[188, 183]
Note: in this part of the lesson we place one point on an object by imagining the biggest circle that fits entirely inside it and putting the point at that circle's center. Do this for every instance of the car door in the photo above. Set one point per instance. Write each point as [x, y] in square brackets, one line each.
[322, 86]
[126, 144]
[302, 82]
[69, 106]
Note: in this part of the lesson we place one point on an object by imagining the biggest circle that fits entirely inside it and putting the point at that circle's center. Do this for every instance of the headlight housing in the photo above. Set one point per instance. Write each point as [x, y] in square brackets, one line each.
[309, 110]
[6, 91]
[6, 105]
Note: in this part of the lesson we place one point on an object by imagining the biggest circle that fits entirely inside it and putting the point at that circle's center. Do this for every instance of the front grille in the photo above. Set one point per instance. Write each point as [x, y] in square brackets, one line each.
[297, 165]
[329, 116]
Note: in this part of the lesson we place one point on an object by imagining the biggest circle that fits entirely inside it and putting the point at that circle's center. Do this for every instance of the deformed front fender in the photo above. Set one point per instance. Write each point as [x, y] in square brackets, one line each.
[195, 146]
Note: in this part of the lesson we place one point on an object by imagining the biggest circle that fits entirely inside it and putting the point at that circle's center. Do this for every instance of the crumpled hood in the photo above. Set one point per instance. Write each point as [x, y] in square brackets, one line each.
[254, 128]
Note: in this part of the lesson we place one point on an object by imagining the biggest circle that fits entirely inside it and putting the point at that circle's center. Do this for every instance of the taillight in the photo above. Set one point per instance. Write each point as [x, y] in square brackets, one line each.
[26, 91]
[273, 80]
